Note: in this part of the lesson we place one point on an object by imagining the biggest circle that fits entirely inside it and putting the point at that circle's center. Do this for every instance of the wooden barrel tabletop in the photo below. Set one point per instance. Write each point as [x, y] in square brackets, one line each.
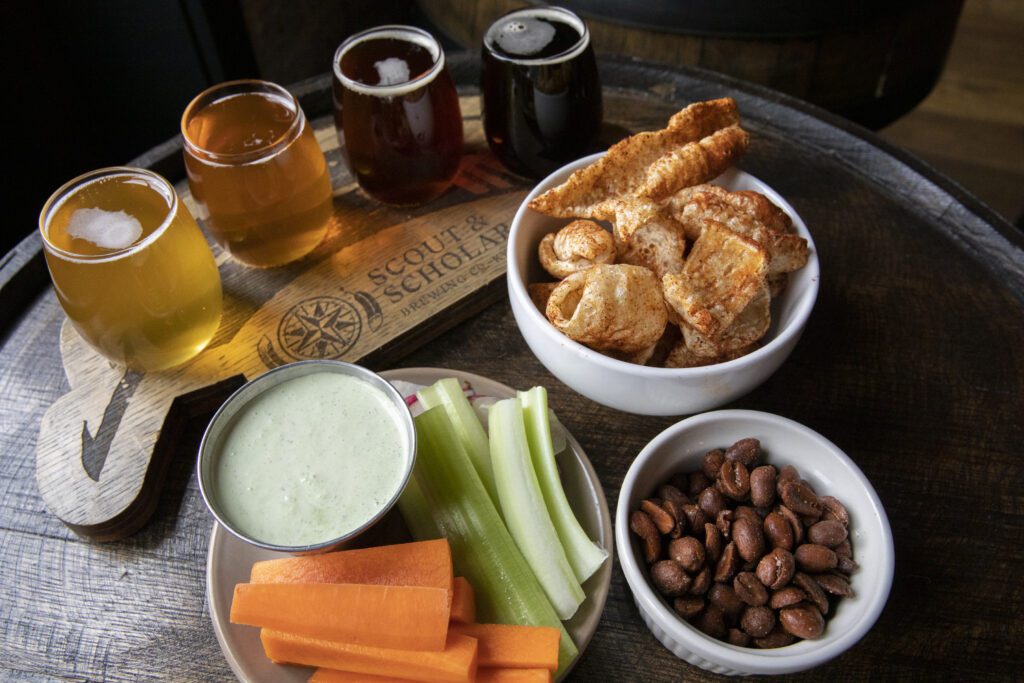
[912, 362]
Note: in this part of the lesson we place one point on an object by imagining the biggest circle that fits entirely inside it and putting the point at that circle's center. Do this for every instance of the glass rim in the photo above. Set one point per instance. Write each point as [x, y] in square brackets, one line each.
[65, 191]
[216, 93]
[570, 53]
[432, 45]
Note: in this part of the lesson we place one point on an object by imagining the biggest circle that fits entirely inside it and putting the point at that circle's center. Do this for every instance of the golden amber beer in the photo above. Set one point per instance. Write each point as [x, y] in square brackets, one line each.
[131, 268]
[256, 170]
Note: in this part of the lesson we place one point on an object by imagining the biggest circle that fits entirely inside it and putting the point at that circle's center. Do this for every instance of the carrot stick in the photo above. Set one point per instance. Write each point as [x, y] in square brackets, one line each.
[337, 676]
[455, 664]
[463, 602]
[513, 647]
[399, 617]
[513, 676]
[426, 563]
[482, 676]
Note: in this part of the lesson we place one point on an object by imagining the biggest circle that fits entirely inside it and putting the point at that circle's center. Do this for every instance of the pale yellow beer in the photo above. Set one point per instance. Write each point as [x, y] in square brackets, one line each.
[131, 267]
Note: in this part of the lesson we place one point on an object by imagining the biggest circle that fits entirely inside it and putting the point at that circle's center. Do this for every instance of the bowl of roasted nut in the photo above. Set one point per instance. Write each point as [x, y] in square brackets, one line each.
[752, 544]
[657, 278]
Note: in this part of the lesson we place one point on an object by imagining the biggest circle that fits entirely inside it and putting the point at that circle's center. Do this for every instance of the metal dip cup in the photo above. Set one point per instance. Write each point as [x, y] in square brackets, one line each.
[223, 419]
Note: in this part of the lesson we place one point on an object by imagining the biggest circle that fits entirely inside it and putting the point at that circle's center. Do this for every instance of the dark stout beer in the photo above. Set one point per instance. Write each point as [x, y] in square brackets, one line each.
[542, 95]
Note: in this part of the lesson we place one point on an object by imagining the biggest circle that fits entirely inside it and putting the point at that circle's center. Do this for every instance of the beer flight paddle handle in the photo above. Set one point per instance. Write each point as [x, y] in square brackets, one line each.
[384, 285]
[105, 446]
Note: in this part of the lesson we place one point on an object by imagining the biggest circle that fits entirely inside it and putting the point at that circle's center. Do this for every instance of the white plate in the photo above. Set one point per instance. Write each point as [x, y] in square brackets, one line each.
[230, 559]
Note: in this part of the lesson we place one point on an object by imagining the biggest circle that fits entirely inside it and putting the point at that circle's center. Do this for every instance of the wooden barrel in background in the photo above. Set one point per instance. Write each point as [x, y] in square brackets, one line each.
[870, 61]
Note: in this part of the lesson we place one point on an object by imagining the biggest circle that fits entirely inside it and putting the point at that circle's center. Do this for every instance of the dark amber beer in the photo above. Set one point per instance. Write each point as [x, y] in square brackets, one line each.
[397, 114]
[542, 94]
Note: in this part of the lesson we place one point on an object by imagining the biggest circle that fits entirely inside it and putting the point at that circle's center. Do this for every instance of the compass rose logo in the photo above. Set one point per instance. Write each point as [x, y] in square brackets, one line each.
[320, 327]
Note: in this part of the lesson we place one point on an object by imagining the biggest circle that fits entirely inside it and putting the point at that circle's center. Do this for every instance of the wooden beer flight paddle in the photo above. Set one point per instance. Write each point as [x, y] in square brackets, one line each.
[384, 281]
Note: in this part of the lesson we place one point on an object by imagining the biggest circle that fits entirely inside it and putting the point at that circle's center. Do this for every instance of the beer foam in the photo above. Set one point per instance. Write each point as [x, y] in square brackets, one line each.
[392, 71]
[395, 78]
[105, 229]
[520, 35]
[524, 36]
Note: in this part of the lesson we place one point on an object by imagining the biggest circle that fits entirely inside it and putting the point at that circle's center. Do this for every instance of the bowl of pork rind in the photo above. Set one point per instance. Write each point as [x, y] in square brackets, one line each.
[657, 278]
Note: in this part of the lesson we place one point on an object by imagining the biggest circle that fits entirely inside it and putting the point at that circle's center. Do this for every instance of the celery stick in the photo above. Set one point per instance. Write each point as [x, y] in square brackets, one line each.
[507, 591]
[448, 393]
[525, 513]
[584, 555]
[417, 513]
[559, 442]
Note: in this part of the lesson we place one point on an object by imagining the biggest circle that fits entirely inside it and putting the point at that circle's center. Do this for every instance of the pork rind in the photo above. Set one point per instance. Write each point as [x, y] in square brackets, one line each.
[658, 245]
[761, 208]
[578, 245]
[682, 356]
[746, 201]
[654, 355]
[539, 293]
[653, 188]
[722, 275]
[740, 212]
[610, 307]
[636, 357]
[646, 234]
[630, 214]
[777, 283]
[699, 143]
[694, 163]
[749, 326]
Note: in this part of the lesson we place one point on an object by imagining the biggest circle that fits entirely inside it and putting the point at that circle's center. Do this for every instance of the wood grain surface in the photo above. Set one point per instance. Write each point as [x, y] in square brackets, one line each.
[912, 362]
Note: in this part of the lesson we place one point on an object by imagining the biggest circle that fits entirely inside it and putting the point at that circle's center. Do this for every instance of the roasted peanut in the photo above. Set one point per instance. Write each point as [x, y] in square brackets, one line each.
[762, 486]
[688, 552]
[746, 451]
[713, 460]
[802, 621]
[640, 524]
[669, 578]
[663, 521]
[815, 558]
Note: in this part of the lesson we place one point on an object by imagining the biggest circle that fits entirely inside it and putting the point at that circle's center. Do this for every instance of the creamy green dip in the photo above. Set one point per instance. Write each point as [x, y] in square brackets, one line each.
[310, 460]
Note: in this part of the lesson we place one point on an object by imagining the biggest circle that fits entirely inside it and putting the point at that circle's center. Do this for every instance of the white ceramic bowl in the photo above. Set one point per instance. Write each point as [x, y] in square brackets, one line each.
[637, 388]
[681, 448]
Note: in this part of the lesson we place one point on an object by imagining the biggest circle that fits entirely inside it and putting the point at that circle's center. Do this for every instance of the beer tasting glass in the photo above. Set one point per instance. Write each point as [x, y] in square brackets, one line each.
[131, 268]
[541, 91]
[256, 170]
[397, 114]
